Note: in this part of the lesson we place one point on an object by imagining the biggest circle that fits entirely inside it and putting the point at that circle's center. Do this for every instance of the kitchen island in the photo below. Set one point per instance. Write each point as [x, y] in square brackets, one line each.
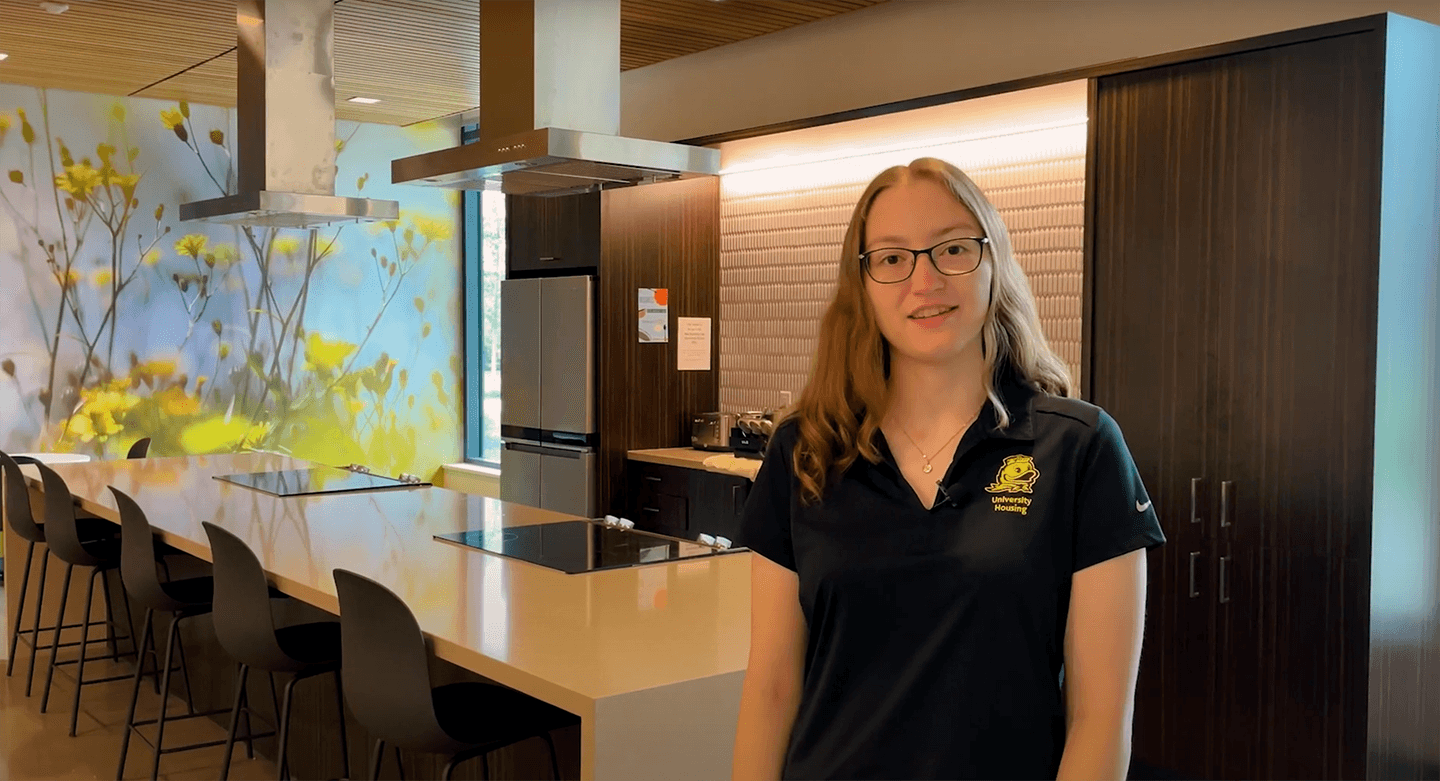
[650, 658]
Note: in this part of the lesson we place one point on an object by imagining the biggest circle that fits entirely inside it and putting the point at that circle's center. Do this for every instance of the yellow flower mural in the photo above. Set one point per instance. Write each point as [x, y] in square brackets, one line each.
[79, 180]
[293, 344]
[192, 244]
[324, 355]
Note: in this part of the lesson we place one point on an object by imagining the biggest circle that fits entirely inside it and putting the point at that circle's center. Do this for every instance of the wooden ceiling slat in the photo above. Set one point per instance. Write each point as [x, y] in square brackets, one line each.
[419, 57]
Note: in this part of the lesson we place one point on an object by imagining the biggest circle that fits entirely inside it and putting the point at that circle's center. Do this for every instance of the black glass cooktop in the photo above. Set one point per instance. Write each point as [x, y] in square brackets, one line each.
[324, 480]
[582, 546]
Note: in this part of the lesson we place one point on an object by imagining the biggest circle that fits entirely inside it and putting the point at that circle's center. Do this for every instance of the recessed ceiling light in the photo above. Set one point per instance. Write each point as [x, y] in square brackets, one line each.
[358, 99]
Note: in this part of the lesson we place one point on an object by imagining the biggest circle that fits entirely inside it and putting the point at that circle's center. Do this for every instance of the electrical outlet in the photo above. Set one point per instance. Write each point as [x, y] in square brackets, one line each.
[784, 398]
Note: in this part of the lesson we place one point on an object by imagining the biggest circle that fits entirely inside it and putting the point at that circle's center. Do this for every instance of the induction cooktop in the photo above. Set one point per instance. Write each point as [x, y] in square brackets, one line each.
[322, 480]
[582, 546]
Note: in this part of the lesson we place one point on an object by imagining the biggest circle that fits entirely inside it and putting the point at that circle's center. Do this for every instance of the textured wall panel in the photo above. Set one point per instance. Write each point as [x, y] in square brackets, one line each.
[779, 252]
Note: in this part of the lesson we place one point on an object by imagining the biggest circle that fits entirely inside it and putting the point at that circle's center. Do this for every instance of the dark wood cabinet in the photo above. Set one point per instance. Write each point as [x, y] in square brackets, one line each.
[716, 503]
[552, 234]
[1240, 213]
[684, 502]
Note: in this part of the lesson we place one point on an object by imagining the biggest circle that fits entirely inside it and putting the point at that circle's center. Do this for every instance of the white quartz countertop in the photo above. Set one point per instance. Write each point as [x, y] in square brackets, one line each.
[707, 460]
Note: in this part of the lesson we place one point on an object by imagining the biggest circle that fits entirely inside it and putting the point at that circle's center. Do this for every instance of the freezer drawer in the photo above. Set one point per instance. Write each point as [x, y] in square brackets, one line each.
[561, 479]
[520, 475]
[567, 482]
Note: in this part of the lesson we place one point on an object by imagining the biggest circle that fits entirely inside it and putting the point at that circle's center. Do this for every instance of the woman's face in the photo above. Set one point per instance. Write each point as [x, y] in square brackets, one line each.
[930, 317]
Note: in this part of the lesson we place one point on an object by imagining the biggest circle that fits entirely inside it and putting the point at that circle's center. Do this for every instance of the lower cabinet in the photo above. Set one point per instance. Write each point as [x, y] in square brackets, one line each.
[682, 502]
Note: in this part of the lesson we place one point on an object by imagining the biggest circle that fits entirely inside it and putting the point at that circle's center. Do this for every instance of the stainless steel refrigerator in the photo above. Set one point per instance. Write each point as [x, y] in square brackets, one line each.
[547, 394]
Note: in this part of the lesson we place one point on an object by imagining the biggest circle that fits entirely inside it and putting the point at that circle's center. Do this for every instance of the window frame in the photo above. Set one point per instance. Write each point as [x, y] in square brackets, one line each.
[472, 234]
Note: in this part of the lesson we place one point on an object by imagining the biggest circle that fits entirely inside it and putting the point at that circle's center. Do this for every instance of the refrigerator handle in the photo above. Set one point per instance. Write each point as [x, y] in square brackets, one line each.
[543, 450]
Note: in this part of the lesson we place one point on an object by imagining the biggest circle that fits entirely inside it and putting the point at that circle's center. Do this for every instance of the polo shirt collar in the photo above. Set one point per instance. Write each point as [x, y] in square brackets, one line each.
[1020, 403]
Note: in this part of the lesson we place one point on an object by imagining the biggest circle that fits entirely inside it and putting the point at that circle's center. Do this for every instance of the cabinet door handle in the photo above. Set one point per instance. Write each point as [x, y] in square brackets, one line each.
[735, 506]
[1193, 556]
[1224, 589]
[549, 260]
[1225, 497]
[652, 478]
[651, 509]
[1195, 499]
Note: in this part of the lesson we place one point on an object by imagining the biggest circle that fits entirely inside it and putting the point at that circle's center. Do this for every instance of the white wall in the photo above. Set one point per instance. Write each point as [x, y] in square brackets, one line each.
[911, 48]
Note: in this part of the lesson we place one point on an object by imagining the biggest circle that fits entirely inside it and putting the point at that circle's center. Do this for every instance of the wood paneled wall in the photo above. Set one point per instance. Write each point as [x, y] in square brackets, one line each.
[1233, 339]
[663, 235]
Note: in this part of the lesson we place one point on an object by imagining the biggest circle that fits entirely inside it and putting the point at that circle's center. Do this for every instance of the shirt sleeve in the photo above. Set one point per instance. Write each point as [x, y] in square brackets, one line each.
[765, 525]
[1114, 514]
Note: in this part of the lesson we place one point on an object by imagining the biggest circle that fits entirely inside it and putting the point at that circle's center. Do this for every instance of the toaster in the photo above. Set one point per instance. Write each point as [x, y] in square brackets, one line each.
[711, 430]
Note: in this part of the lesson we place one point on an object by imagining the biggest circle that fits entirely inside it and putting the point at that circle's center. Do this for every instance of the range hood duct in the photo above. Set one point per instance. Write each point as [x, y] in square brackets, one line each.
[550, 110]
[285, 118]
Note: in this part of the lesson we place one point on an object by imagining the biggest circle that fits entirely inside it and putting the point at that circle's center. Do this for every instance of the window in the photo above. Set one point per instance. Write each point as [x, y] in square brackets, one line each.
[484, 220]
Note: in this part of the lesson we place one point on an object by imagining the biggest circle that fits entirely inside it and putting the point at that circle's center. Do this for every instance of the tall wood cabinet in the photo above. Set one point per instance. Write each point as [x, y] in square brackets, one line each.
[1247, 240]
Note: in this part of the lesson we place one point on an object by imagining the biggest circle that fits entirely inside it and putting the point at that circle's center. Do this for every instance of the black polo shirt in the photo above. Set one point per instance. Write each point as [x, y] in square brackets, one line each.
[936, 637]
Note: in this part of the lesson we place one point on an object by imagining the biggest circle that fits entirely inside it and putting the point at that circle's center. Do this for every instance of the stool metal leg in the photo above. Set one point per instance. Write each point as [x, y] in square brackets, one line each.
[135, 693]
[55, 645]
[249, 730]
[485, 766]
[35, 629]
[164, 696]
[84, 641]
[282, 760]
[235, 720]
[20, 612]
[109, 615]
[185, 673]
[400, 763]
[129, 621]
[340, 710]
[376, 758]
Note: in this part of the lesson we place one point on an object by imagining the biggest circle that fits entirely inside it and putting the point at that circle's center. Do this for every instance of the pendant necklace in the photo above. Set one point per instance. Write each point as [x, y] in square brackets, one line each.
[923, 454]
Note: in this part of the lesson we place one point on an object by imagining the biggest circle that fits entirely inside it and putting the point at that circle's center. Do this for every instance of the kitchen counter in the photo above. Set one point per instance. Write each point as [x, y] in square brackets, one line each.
[707, 460]
[651, 658]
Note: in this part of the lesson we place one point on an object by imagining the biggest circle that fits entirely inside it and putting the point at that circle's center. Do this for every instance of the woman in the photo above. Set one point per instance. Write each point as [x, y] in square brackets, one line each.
[939, 528]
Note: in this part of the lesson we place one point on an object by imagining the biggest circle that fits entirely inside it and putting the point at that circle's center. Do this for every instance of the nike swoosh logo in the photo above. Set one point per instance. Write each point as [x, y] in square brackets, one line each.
[1140, 508]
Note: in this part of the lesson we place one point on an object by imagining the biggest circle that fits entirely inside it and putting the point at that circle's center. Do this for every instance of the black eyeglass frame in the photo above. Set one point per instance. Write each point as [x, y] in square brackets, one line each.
[929, 253]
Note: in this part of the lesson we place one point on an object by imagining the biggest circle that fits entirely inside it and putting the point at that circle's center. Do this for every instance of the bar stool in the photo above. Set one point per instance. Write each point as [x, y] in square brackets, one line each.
[140, 449]
[20, 515]
[64, 538]
[246, 630]
[387, 685]
[183, 599]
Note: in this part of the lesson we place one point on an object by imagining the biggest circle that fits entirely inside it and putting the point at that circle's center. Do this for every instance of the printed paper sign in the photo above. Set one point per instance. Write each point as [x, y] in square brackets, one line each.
[654, 314]
[692, 351]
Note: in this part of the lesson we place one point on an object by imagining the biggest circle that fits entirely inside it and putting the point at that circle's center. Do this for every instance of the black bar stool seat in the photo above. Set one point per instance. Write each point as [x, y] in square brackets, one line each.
[65, 542]
[20, 516]
[183, 599]
[387, 685]
[245, 627]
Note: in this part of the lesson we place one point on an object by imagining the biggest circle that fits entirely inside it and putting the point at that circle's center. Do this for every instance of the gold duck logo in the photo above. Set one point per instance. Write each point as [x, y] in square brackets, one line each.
[1017, 475]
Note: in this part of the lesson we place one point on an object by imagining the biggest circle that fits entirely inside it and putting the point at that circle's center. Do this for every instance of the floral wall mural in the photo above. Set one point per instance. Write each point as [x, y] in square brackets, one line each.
[118, 322]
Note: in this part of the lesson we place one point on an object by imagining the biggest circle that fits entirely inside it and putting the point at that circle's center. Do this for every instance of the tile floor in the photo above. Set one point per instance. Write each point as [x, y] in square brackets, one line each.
[36, 746]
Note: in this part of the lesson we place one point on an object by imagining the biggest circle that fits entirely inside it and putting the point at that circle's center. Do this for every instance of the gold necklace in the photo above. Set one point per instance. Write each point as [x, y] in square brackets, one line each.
[928, 467]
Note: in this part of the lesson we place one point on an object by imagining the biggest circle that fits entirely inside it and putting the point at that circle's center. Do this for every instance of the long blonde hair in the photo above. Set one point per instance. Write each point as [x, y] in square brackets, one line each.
[848, 393]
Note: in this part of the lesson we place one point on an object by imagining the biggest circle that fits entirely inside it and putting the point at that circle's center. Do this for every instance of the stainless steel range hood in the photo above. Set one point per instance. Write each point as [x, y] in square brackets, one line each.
[285, 135]
[550, 109]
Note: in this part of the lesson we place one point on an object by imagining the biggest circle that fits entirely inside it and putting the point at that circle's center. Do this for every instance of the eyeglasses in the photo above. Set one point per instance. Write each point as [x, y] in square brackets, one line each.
[954, 257]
